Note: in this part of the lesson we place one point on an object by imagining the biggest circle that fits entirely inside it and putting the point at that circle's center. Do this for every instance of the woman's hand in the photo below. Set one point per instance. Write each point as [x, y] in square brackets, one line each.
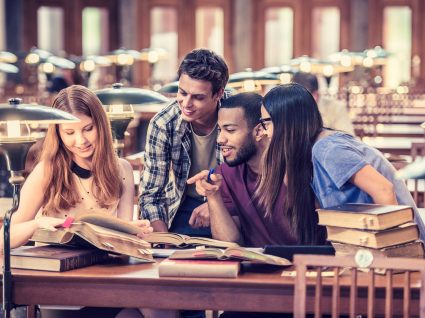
[145, 227]
[49, 223]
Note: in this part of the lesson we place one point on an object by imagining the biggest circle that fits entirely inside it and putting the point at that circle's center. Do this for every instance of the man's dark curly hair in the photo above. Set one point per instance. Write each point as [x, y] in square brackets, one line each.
[206, 65]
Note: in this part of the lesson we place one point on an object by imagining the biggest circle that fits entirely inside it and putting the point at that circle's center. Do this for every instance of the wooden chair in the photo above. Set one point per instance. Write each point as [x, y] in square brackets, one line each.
[357, 293]
[418, 151]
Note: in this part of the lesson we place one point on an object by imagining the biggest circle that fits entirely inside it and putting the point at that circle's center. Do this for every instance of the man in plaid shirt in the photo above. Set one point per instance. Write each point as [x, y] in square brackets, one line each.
[182, 141]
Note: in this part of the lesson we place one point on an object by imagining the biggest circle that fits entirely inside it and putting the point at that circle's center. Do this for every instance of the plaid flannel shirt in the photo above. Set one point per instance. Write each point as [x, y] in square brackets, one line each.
[167, 165]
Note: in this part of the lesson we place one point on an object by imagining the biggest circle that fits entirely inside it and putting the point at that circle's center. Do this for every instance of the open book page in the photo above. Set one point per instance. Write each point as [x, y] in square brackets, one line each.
[255, 257]
[181, 240]
[115, 236]
[109, 222]
[231, 253]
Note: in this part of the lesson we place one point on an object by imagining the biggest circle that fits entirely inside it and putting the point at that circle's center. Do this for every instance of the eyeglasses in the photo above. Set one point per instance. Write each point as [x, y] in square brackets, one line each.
[263, 122]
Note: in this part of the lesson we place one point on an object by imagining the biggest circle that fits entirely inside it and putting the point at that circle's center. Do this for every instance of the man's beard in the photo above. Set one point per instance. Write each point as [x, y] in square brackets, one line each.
[245, 153]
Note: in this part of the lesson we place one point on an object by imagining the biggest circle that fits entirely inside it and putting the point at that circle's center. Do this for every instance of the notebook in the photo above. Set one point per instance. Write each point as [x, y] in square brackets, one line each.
[288, 251]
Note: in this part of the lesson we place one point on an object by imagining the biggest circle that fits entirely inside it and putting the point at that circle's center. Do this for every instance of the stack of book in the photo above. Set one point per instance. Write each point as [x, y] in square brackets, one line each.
[385, 230]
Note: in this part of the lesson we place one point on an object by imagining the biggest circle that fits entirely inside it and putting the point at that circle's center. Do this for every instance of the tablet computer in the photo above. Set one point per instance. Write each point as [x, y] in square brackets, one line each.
[288, 251]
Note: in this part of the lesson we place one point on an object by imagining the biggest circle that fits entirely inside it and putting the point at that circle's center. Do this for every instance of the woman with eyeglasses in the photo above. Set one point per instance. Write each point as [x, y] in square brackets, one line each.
[320, 167]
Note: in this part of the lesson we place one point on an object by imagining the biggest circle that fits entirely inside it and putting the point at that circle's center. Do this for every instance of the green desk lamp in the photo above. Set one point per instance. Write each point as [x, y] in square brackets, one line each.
[15, 141]
[120, 103]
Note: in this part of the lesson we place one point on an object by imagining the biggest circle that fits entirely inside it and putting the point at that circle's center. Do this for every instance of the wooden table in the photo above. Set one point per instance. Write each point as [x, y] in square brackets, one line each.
[131, 285]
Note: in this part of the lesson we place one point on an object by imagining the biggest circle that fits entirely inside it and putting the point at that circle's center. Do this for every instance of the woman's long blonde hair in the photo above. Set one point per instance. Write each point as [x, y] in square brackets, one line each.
[61, 193]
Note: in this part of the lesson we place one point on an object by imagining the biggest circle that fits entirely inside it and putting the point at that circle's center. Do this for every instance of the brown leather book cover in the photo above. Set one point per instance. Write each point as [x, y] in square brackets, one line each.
[55, 258]
[365, 216]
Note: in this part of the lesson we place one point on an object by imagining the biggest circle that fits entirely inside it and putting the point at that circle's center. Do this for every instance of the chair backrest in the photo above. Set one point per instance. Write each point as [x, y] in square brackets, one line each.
[417, 151]
[358, 293]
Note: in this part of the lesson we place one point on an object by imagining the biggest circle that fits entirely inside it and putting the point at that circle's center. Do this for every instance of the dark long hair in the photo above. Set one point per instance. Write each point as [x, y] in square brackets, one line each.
[296, 125]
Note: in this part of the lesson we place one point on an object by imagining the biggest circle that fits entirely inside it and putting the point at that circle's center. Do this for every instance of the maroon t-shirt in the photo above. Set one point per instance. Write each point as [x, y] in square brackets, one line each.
[238, 187]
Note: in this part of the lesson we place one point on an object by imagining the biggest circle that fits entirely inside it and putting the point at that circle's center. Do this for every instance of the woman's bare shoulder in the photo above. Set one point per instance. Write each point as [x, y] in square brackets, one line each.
[124, 165]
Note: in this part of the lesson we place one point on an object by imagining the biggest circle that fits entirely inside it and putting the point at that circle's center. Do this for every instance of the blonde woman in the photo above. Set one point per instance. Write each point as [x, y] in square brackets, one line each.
[78, 172]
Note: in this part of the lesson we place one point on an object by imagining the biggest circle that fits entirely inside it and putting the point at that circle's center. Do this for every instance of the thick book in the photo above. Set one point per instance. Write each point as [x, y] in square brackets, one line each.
[375, 239]
[410, 250]
[181, 240]
[366, 216]
[55, 258]
[104, 232]
[198, 268]
[231, 253]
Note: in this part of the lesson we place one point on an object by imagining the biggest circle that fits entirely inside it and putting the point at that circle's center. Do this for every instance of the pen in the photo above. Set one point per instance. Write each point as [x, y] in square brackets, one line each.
[212, 170]
[209, 179]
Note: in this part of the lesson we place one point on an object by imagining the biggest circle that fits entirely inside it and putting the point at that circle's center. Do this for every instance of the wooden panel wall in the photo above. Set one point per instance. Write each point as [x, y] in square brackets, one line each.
[72, 22]
[255, 24]
[376, 14]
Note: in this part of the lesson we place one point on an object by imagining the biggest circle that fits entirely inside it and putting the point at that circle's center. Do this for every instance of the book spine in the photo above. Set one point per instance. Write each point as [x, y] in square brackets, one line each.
[82, 261]
[199, 269]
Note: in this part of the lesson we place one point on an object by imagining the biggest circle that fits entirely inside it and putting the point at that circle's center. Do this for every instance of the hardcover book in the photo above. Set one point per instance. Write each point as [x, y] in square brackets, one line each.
[410, 250]
[198, 268]
[181, 240]
[366, 216]
[55, 258]
[104, 232]
[231, 253]
[375, 239]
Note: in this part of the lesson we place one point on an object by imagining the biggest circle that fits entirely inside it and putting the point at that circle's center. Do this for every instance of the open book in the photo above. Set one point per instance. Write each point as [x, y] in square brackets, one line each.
[181, 240]
[231, 253]
[102, 231]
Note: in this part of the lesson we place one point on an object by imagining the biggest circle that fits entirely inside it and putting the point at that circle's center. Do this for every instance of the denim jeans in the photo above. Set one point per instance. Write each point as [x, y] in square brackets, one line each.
[181, 224]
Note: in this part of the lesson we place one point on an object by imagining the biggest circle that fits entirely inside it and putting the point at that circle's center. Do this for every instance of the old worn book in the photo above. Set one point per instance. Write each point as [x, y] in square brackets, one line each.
[104, 232]
[55, 258]
[365, 216]
[198, 268]
[375, 239]
[231, 253]
[181, 240]
[410, 250]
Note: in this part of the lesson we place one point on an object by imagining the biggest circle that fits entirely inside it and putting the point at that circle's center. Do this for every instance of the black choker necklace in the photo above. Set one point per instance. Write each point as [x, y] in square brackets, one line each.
[79, 171]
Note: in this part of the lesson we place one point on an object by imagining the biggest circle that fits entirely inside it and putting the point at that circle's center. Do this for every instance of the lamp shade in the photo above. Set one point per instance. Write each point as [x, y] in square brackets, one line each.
[33, 113]
[326, 68]
[129, 95]
[8, 68]
[259, 76]
[8, 57]
[279, 69]
[61, 62]
[173, 87]
[13, 117]
[169, 88]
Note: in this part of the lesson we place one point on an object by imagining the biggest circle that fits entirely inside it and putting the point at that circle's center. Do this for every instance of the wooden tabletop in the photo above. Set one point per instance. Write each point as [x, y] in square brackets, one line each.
[132, 284]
